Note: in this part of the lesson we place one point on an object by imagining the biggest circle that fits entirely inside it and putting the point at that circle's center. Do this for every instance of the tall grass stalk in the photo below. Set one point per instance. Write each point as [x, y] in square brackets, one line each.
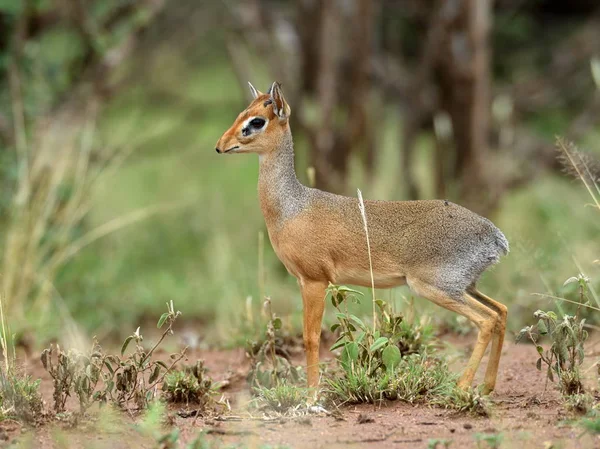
[590, 285]
[558, 298]
[575, 161]
[361, 206]
[579, 165]
[4, 339]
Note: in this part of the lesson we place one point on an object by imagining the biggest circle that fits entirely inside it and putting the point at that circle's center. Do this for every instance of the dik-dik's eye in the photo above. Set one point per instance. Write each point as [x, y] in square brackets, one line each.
[253, 125]
[257, 123]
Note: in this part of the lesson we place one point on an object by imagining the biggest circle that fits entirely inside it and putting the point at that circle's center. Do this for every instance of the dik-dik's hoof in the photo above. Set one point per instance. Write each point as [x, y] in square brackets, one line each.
[484, 390]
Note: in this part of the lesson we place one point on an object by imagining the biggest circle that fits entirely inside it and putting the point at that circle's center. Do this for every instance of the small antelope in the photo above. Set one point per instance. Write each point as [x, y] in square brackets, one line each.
[437, 248]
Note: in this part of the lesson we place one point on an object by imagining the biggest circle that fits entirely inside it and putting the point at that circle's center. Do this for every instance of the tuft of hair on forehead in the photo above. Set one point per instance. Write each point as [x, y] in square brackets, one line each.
[262, 105]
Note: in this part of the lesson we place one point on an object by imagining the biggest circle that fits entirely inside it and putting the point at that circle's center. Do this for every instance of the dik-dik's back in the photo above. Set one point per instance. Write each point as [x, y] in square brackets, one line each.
[435, 241]
[438, 248]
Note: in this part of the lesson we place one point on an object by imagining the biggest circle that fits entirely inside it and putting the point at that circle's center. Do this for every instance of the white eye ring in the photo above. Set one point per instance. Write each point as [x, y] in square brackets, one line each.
[247, 129]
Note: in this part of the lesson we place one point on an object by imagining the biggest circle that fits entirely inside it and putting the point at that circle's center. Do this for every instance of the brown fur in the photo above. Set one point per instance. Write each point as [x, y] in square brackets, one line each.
[436, 247]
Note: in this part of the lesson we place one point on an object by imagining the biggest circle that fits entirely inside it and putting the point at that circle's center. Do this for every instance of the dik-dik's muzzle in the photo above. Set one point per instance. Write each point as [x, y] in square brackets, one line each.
[220, 151]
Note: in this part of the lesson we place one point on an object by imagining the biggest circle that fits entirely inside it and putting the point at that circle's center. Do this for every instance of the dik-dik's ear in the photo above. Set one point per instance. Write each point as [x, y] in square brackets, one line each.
[280, 106]
[255, 92]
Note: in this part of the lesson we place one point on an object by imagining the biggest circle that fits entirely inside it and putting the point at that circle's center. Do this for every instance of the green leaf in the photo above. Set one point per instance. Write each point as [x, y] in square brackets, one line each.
[161, 363]
[358, 321]
[349, 354]
[336, 299]
[391, 357]
[155, 374]
[379, 343]
[540, 350]
[360, 337]
[277, 323]
[344, 289]
[542, 328]
[109, 366]
[538, 364]
[125, 344]
[334, 327]
[338, 344]
[162, 320]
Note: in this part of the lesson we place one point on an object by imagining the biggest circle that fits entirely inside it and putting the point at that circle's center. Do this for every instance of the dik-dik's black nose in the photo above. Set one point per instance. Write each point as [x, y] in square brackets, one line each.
[218, 151]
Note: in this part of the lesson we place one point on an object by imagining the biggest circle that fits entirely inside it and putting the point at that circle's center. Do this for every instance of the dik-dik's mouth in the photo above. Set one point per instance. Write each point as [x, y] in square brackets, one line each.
[226, 151]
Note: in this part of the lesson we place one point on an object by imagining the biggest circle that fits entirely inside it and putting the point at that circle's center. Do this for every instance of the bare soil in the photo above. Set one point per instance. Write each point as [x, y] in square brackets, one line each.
[524, 412]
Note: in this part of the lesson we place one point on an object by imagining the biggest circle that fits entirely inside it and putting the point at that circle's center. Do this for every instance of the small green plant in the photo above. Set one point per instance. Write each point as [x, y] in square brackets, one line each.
[268, 367]
[281, 398]
[359, 345]
[356, 386]
[189, 385]
[19, 393]
[373, 368]
[465, 401]
[439, 443]
[20, 397]
[580, 404]
[566, 352]
[488, 440]
[126, 380]
[420, 377]
[272, 377]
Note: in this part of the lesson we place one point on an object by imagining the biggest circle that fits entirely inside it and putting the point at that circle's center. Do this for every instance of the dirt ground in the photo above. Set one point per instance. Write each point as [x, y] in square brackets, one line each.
[523, 414]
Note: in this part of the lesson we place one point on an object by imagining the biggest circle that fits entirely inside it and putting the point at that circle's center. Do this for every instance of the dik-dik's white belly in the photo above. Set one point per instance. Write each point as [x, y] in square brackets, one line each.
[363, 278]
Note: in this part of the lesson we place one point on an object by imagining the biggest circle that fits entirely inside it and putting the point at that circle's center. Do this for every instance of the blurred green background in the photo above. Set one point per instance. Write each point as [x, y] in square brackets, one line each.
[110, 110]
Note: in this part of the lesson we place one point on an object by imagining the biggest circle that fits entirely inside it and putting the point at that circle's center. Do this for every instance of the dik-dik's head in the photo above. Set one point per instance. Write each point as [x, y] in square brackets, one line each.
[259, 127]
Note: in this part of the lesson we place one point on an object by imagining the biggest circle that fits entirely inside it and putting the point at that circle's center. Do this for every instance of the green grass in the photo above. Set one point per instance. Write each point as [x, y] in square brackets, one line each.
[284, 397]
[419, 378]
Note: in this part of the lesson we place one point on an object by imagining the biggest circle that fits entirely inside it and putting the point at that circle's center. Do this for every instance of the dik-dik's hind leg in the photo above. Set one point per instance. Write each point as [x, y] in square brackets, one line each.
[497, 340]
[313, 299]
[483, 317]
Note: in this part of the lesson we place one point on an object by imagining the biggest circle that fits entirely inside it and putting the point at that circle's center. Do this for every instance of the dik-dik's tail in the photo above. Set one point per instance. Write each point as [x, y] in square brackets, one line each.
[502, 242]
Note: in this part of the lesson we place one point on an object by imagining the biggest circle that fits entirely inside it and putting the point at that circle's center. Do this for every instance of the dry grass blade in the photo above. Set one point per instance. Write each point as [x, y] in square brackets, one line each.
[543, 295]
[363, 213]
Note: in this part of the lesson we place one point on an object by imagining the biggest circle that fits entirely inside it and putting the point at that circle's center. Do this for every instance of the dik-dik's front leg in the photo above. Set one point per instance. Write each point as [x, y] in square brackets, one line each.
[313, 298]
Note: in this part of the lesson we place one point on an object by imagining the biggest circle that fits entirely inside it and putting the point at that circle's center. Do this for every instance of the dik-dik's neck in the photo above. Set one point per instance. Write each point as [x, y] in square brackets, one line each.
[281, 195]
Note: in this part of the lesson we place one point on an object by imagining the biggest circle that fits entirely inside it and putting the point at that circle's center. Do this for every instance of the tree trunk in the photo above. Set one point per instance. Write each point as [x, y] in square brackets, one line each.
[465, 90]
[324, 142]
[360, 136]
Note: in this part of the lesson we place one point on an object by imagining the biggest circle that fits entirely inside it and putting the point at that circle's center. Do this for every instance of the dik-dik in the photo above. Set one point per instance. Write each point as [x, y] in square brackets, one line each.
[437, 248]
